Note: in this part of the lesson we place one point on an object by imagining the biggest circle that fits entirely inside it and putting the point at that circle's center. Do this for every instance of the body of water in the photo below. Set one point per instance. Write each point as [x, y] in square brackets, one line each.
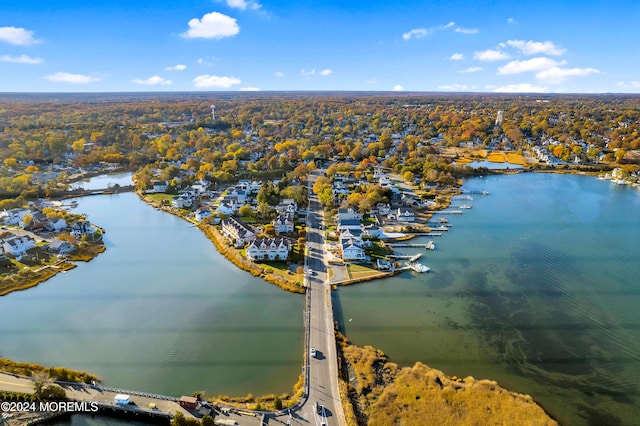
[492, 165]
[159, 311]
[537, 286]
[104, 181]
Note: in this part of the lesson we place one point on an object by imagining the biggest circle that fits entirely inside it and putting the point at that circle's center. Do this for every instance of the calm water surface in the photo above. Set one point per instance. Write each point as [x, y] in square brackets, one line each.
[104, 181]
[160, 311]
[537, 286]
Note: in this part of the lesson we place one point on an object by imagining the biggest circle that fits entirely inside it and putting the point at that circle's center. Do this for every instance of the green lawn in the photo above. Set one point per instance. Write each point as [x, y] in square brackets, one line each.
[160, 197]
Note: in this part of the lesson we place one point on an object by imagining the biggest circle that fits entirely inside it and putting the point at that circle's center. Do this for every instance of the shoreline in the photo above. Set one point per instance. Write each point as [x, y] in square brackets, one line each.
[231, 254]
[7, 286]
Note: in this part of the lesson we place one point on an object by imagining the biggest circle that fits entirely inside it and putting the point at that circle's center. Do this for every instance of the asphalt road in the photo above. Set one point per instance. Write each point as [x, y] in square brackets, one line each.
[323, 368]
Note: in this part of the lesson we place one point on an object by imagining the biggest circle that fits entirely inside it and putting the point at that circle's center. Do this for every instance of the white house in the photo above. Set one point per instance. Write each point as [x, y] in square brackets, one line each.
[269, 249]
[406, 214]
[55, 225]
[182, 201]
[235, 229]
[349, 225]
[283, 223]
[60, 247]
[352, 249]
[202, 214]
[226, 208]
[287, 205]
[14, 216]
[159, 186]
[17, 246]
[372, 230]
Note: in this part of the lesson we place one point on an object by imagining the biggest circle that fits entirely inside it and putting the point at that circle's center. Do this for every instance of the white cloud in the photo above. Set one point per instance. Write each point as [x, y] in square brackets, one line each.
[313, 72]
[397, 88]
[243, 4]
[212, 25]
[457, 57]
[634, 84]
[17, 36]
[521, 88]
[511, 21]
[533, 64]
[470, 70]
[558, 75]
[417, 33]
[278, 74]
[454, 87]
[466, 30]
[151, 81]
[537, 47]
[179, 67]
[490, 55]
[204, 81]
[22, 59]
[249, 89]
[449, 25]
[65, 77]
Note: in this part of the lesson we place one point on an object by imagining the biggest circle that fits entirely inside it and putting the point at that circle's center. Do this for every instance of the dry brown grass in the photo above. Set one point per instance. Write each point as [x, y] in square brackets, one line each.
[383, 394]
[506, 157]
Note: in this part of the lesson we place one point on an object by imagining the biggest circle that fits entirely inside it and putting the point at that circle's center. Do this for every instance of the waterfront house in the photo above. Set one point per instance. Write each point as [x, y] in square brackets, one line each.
[182, 201]
[405, 214]
[82, 227]
[17, 246]
[269, 249]
[202, 214]
[237, 231]
[55, 225]
[159, 186]
[283, 223]
[352, 249]
[59, 247]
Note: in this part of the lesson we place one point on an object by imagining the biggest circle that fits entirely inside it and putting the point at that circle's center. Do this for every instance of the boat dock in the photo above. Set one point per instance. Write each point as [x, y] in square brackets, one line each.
[428, 246]
[445, 212]
[407, 256]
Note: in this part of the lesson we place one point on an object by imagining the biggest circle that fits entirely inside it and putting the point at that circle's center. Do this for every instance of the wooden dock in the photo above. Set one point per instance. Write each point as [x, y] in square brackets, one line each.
[402, 256]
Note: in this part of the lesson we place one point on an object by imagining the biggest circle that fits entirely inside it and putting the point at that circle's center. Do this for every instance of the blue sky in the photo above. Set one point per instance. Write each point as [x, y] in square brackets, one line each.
[556, 46]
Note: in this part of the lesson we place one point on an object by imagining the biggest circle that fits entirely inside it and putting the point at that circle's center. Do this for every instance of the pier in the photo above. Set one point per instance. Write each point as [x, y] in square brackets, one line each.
[402, 256]
[427, 246]
[475, 192]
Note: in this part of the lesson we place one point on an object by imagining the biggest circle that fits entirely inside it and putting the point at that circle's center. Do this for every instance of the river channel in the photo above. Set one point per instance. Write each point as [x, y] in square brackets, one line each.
[536, 286]
[159, 311]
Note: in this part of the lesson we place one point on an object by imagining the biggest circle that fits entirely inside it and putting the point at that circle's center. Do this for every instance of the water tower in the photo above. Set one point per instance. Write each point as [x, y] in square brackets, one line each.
[499, 118]
[213, 112]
